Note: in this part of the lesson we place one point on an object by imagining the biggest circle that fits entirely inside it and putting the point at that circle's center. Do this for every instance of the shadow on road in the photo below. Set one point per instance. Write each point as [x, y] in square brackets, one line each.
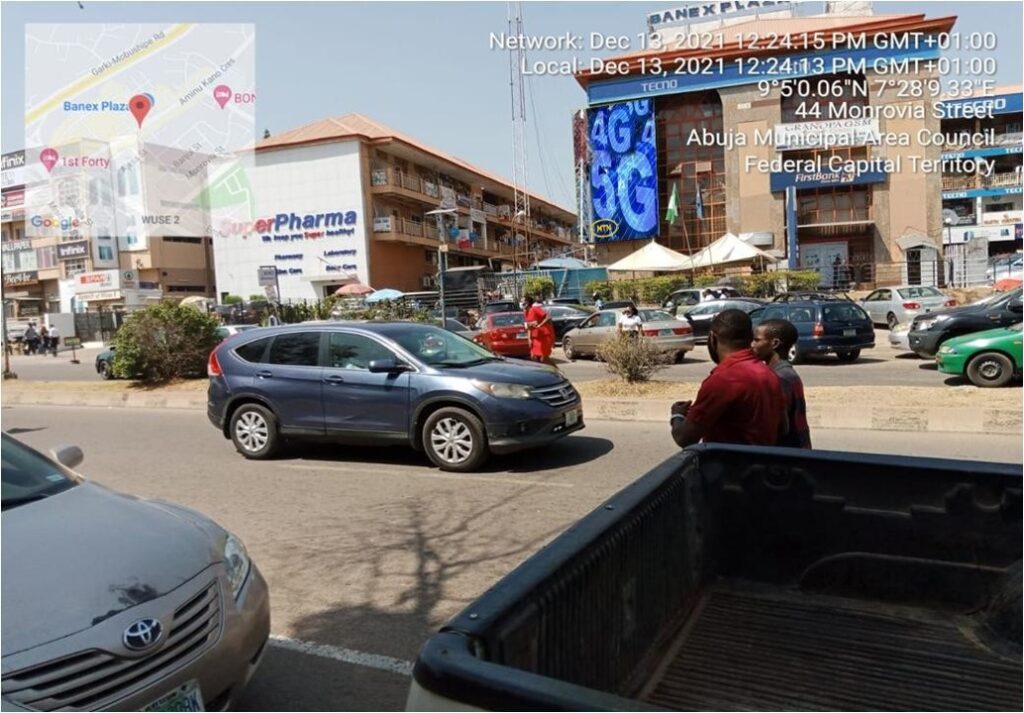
[571, 451]
[908, 356]
[833, 361]
[929, 366]
[16, 431]
[433, 555]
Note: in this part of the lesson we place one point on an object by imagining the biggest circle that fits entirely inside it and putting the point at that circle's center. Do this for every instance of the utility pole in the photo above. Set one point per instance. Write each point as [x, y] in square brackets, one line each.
[442, 257]
[8, 374]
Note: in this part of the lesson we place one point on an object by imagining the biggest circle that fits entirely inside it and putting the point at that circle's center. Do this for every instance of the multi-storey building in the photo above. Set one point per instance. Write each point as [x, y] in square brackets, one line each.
[347, 199]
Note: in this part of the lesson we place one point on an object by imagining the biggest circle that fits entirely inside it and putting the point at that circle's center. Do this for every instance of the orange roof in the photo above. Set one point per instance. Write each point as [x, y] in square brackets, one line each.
[730, 47]
[358, 126]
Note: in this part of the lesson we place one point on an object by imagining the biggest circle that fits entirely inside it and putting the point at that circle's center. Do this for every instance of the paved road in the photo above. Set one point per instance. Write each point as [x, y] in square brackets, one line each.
[881, 366]
[367, 551]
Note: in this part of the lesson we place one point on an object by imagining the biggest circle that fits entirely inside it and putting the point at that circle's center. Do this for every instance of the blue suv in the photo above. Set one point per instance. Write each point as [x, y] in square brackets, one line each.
[384, 383]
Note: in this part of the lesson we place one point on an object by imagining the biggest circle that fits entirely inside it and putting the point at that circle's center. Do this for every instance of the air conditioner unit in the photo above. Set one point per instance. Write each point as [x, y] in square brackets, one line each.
[429, 281]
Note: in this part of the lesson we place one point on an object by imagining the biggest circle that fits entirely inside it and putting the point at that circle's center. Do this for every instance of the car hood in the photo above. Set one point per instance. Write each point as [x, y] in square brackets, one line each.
[512, 371]
[83, 555]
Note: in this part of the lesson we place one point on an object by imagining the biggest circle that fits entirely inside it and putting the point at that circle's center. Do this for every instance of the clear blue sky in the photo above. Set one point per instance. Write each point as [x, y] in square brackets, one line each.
[423, 68]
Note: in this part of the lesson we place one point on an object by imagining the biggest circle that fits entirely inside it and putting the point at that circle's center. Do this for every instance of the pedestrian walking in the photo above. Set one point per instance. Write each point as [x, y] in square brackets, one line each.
[31, 339]
[598, 302]
[54, 344]
[773, 339]
[273, 320]
[542, 331]
[741, 401]
[44, 340]
[629, 322]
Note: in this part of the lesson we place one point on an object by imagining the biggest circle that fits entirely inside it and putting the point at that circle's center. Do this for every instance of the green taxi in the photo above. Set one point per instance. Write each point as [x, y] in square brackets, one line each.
[989, 358]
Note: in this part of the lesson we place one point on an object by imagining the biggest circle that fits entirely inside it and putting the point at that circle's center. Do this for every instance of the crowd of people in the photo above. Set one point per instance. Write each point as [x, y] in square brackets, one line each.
[753, 396]
[40, 341]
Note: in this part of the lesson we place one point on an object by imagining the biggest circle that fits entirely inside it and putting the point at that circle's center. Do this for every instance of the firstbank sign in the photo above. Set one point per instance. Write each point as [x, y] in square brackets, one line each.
[703, 11]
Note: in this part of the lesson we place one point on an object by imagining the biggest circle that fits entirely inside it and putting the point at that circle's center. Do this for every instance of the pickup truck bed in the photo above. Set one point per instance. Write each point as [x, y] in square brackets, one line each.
[734, 578]
[837, 653]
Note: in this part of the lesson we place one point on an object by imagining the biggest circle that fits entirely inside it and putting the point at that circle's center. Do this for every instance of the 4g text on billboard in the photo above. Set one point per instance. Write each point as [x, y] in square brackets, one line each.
[623, 171]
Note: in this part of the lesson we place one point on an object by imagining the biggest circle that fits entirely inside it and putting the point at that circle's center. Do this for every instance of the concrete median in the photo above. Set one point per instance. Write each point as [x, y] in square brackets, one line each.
[862, 408]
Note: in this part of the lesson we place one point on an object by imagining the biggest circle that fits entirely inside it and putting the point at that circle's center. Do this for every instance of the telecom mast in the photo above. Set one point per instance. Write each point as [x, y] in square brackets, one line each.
[516, 62]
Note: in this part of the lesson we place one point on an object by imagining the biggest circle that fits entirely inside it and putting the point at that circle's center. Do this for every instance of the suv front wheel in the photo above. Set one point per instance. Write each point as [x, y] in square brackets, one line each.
[454, 440]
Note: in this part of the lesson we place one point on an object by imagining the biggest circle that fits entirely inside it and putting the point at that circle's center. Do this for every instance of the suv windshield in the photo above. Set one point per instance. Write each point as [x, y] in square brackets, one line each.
[27, 476]
[439, 347]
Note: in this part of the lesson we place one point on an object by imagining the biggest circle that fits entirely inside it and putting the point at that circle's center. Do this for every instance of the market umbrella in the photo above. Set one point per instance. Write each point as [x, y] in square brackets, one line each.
[386, 294]
[355, 289]
[1006, 284]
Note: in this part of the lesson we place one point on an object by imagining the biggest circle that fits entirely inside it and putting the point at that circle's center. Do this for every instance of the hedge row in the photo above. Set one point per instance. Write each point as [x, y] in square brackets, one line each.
[654, 290]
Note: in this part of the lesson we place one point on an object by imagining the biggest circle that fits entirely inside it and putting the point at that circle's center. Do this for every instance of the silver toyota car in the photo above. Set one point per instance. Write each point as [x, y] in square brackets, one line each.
[118, 603]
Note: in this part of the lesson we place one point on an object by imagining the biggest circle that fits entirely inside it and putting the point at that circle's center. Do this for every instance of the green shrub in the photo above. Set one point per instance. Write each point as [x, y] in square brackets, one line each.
[163, 342]
[234, 299]
[539, 287]
[632, 359]
[256, 297]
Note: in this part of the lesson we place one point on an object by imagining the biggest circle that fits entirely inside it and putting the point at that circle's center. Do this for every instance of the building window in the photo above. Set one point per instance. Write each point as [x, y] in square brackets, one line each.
[833, 205]
[46, 257]
[186, 288]
[105, 253]
[74, 267]
[177, 239]
[693, 166]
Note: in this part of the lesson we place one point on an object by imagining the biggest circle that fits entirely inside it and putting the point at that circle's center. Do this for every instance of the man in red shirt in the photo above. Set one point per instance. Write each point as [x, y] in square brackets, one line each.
[741, 401]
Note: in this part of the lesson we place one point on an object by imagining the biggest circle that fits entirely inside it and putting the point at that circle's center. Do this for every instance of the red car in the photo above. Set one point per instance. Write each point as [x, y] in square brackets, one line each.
[504, 334]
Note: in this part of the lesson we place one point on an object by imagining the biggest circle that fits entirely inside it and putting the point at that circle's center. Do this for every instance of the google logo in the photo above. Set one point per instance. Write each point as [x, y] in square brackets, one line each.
[54, 222]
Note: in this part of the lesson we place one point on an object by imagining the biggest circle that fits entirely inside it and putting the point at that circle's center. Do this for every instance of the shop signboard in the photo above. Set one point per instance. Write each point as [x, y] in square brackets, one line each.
[826, 134]
[73, 250]
[87, 283]
[12, 169]
[824, 179]
[21, 279]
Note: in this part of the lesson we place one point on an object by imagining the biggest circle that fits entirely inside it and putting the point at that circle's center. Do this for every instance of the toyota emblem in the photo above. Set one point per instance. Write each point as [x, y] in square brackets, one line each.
[143, 634]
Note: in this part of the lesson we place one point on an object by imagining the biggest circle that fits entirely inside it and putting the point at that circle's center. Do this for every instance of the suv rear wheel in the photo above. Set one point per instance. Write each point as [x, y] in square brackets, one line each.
[990, 369]
[254, 431]
[892, 321]
[795, 357]
[105, 370]
[454, 440]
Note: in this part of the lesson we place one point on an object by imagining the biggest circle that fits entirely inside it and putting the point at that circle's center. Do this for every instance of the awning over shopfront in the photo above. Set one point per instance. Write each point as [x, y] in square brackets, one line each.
[652, 258]
[729, 249]
[916, 240]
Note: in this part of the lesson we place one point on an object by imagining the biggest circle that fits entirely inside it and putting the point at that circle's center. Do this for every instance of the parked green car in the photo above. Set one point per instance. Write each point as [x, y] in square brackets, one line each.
[989, 358]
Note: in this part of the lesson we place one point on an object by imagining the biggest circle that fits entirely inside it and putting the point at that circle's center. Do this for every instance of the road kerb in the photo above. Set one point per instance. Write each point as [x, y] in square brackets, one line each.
[837, 416]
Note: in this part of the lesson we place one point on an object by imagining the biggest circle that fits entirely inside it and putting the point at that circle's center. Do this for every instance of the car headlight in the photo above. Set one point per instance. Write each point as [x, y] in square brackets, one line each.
[236, 562]
[945, 349]
[504, 391]
[926, 323]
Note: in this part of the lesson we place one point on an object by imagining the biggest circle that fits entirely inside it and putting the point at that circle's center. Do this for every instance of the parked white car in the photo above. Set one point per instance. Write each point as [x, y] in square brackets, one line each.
[899, 305]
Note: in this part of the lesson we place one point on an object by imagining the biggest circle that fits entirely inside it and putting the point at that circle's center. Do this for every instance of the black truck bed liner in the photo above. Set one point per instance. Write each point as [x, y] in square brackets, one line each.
[748, 647]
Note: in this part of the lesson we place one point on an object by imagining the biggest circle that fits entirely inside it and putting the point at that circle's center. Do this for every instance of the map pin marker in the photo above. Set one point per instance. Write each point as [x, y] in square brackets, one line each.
[222, 94]
[49, 157]
[140, 104]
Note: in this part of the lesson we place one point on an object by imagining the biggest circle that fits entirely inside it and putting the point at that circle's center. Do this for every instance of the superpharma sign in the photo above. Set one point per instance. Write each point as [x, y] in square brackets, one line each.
[623, 171]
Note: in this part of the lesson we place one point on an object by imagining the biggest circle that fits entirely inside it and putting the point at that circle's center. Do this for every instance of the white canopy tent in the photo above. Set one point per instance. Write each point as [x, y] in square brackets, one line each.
[652, 258]
[727, 249]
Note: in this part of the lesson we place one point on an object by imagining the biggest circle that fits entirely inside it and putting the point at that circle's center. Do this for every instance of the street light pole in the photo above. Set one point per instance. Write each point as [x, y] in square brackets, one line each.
[8, 374]
[949, 237]
[442, 257]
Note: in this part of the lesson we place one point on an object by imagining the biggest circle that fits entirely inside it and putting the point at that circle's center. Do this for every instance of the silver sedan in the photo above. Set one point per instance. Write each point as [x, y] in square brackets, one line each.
[900, 304]
[112, 602]
[671, 335]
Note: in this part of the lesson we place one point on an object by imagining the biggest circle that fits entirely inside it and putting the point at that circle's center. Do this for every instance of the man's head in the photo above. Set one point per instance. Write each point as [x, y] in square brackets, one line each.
[730, 332]
[773, 337]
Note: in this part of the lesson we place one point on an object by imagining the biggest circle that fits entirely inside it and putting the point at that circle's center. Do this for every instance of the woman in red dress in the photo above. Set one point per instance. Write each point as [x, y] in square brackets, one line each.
[542, 332]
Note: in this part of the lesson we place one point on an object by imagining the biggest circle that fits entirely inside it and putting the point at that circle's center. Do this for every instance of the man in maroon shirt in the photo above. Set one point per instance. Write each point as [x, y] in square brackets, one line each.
[741, 401]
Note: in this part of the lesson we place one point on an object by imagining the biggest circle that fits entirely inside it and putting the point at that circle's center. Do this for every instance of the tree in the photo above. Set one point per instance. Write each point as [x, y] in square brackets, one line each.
[233, 299]
[163, 342]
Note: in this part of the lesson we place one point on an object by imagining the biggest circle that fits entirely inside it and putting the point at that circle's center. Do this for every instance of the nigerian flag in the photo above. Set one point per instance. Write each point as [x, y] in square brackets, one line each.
[673, 204]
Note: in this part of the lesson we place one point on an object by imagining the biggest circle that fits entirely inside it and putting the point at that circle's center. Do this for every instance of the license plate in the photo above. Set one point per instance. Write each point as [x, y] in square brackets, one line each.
[186, 697]
[572, 418]
[849, 332]
[665, 333]
[521, 335]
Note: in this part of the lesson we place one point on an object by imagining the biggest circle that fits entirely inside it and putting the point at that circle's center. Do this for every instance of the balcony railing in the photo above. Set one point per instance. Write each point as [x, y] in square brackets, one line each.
[955, 183]
[406, 181]
[1002, 180]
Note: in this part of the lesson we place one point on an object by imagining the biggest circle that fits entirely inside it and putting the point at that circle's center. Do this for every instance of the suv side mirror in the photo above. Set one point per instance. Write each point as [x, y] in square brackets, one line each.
[1015, 306]
[387, 366]
[68, 456]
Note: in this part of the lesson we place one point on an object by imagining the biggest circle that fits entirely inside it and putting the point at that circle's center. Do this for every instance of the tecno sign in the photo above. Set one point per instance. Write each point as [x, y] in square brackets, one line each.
[97, 281]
